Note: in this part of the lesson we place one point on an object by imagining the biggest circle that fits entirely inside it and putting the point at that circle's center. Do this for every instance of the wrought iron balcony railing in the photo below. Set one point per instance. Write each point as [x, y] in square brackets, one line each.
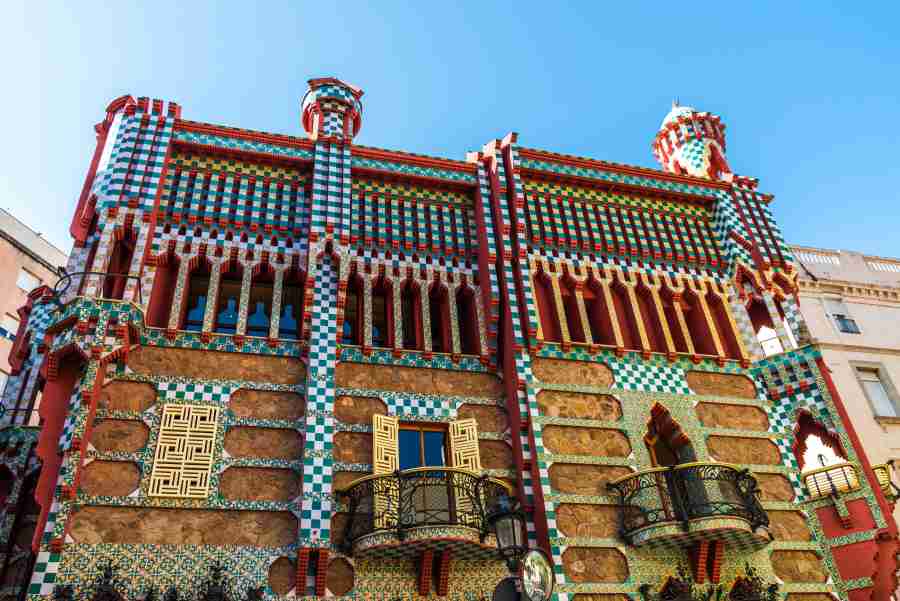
[831, 480]
[429, 496]
[61, 288]
[750, 587]
[686, 492]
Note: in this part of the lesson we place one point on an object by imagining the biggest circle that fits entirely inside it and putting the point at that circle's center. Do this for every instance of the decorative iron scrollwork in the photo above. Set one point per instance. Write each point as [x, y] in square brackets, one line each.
[750, 587]
[682, 493]
[436, 496]
[105, 589]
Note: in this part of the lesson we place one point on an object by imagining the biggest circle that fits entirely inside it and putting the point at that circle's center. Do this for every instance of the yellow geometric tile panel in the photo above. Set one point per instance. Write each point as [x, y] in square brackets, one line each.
[420, 193]
[186, 160]
[184, 452]
[464, 444]
[385, 444]
[537, 187]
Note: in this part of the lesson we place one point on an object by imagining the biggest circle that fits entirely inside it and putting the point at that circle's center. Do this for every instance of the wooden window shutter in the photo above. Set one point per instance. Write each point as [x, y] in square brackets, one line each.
[464, 444]
[385, 445]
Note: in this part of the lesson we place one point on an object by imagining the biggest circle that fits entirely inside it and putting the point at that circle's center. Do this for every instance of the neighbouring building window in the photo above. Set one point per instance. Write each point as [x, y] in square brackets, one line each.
[27, 281]
[870, 378]
[841, 316]
[11, 325]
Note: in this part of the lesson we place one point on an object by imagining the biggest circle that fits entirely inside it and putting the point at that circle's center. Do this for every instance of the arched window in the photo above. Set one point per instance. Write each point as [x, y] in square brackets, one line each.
[228, 303]
[259, 311]
[815, 445]
[666, 441]
[543, 296]
[439, 317]
[382, 313]
[353, 311]
[765, 330]
[467, 321]
[569, 292]
[164, 283]
[7, 481]
[650, 317]
[411, 316]
[669, 301]
[698, 326]
[598, 314]
[119, 266]
[727, 335]
[821, 458]
[631, 338]
[290, 322]
[197, 295]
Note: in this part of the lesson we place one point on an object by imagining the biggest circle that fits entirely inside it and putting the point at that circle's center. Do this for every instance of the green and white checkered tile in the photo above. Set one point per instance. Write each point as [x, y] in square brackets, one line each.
[647, 377]
[46, 567]
[191, 391]
[46, 570]
[227, 143]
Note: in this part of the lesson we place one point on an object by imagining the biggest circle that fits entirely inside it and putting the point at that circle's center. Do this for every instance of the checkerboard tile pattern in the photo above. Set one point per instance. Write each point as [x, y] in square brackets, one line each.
[173, 391]
[609, 176]
[648, 377]
[46, 567]
[315, 513]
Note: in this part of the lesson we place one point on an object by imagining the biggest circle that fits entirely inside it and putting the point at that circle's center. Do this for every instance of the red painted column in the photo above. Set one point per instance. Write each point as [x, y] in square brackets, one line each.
[876, 559]
[54, 409]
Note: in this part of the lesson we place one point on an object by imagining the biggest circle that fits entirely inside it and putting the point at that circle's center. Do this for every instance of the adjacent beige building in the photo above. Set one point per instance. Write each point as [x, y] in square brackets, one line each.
[27, 260]
[851, 303]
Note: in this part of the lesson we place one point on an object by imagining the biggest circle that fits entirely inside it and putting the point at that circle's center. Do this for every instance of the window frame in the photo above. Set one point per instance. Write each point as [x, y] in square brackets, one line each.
[839, 314]
[24, 271]
[12, 332]
[421, 428]
[859, 367]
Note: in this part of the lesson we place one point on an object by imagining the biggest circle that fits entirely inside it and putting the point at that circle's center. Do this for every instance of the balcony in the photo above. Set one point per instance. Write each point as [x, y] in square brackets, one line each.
[691, 502]
[831, 480]
[400, 515]
[883, 473]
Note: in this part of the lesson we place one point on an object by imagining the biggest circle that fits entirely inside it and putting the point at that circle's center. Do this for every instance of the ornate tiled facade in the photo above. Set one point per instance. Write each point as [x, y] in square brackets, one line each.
[254, 323]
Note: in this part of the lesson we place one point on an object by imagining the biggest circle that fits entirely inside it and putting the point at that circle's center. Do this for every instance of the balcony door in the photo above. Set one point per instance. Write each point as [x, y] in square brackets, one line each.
[423, 497]
[669, 446]
[426, 496]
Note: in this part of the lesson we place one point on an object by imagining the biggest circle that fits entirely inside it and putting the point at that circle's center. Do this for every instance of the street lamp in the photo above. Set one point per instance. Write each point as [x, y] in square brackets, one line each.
[507, 522]
[532, 572]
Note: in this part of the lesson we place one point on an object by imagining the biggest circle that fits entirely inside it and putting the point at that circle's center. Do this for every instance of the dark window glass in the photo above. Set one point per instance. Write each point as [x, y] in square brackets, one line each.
[258, 321]
[287, 325]
[410, 449]
[434, 448]
[196, 304]
[421, 447]
[379, 320]
[846, 324]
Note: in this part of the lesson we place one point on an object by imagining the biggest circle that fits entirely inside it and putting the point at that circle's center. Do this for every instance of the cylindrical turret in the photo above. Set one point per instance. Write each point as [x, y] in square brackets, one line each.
[692, 143]
[331, 108]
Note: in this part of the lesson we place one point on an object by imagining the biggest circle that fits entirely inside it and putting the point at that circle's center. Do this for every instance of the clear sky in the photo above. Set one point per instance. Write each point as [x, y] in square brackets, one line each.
[810, 92]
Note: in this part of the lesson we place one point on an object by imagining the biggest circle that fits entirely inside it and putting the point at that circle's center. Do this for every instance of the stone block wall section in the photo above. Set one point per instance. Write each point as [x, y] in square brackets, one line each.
[566, 322]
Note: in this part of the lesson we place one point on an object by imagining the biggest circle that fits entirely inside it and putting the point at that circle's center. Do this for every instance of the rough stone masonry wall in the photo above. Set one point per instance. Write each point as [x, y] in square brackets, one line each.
[255, 477]
[414, 395]
[594, 416]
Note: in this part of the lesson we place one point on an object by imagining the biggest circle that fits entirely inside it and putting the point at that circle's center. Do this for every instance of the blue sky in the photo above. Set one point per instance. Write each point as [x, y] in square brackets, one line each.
[809, 92]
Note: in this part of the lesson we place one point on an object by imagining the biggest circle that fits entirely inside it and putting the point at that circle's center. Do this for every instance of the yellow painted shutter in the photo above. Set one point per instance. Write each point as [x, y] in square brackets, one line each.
[385, 460]
[385, 446]
[464, 445]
